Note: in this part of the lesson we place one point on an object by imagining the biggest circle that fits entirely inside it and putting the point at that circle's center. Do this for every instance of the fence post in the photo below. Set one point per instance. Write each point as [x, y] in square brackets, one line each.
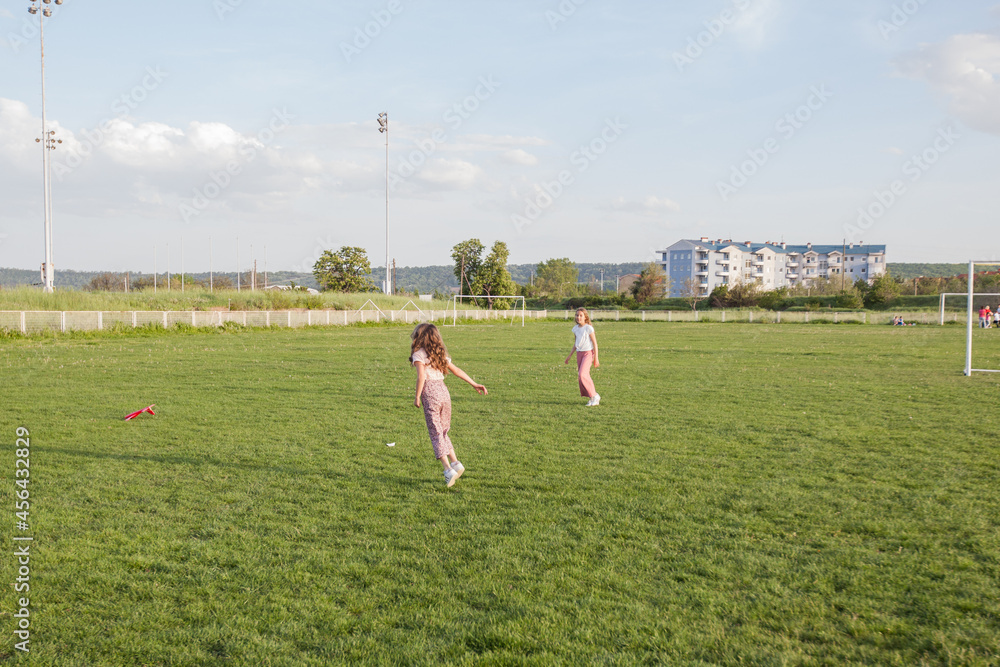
[616, 315]
[24, 328]
[100, 320]
[779, 316]
[288, 318]
[670, 316]
[835, 313]
[164, 319]
[723, 314]
[135, 322]
[864, 318]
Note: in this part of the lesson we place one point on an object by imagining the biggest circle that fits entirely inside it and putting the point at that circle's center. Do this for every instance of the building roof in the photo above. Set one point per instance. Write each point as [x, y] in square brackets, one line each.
[719, 244]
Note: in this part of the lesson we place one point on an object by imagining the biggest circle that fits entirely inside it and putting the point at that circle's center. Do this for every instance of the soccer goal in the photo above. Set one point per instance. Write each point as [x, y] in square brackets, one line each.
[978, 296]
[513, 311]
[972, 314]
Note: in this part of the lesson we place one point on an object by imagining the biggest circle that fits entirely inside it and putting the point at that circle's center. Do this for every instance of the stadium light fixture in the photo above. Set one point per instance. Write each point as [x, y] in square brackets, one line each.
[49, 143]
[383, 127]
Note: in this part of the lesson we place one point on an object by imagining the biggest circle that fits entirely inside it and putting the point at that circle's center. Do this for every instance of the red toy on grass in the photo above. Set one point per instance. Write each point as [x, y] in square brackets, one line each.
[148, 408]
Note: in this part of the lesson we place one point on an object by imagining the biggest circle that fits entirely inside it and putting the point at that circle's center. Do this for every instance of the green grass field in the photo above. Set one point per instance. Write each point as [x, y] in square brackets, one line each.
[744, 494]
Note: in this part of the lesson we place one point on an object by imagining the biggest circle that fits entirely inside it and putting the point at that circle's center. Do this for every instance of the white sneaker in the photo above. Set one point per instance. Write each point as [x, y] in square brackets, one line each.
[450, 476]
[458, 468]
[595, 401]
[590, 402]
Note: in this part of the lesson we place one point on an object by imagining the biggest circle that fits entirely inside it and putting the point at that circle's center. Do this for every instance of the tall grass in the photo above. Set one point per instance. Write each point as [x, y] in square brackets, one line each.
[29, 298]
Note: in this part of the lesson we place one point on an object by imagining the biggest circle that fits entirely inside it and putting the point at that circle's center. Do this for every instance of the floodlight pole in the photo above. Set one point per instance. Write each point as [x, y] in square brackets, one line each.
[48, 142]
[383, 127]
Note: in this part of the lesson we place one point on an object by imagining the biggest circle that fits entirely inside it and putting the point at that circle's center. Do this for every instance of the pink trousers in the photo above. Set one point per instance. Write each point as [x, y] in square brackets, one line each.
[437, 412]
[584, 360]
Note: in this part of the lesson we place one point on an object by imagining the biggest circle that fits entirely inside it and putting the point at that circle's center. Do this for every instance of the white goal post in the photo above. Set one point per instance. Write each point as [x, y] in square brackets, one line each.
[456, 297]
[946, 294]
[968, 338]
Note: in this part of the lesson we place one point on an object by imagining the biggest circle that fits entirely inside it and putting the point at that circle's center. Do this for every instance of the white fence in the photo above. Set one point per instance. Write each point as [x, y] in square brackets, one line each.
[38, 321]
[89, 320]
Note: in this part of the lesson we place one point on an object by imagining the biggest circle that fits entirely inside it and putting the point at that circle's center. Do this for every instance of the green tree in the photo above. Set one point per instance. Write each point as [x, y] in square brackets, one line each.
[881, 291]
[346, 270]
[554, 275]
[493, 278]
[468, 259]
[651, 285]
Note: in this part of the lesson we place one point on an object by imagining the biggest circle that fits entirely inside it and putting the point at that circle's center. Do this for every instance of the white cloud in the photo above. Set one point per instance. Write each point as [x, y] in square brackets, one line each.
[506, 140]
[650, 205]
[519, 156]
[450, 174]
[752, 24]
[965, 70]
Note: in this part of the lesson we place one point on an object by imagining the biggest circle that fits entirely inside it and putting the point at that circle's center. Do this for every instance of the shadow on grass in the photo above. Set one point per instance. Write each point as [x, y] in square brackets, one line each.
[198, 462]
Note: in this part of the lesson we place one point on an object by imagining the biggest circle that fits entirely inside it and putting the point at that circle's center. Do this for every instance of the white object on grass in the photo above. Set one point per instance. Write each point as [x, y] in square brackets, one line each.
[390, 444]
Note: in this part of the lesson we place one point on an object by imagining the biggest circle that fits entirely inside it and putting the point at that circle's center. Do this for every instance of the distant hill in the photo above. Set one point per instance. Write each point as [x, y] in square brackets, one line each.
[905, 271]
[424, 279]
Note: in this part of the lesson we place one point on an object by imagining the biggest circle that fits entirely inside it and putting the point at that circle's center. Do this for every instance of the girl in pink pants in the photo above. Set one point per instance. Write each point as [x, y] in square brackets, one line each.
[430, 357]
[585, 347]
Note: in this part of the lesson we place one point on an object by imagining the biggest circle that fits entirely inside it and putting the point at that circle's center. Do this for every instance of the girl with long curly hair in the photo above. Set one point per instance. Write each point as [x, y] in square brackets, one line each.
[430, 357]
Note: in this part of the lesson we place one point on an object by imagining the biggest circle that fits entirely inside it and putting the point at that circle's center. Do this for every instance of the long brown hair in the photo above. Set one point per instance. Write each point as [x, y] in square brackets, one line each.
[586, 315]
[428, 337]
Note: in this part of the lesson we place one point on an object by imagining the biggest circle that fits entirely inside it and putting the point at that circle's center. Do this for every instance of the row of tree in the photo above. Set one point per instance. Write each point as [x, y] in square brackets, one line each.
[348, 270]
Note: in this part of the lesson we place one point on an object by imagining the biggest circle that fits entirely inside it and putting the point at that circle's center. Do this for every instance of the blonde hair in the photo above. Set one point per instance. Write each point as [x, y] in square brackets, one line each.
[428, 337]
[586, 315]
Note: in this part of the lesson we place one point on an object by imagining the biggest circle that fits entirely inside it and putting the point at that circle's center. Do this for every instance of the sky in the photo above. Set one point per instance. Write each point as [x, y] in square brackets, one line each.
[201, 133]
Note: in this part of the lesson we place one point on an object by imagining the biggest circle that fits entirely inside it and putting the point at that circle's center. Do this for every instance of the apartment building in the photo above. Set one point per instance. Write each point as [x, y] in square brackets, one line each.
[711, 263]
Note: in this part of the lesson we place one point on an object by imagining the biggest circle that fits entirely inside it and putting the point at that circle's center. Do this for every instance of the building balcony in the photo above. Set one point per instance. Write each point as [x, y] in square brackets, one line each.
[792, 276]
[723, 273]
[792, 264]
[722, 262]
[758, 262]
[701, 273]
[757, 274]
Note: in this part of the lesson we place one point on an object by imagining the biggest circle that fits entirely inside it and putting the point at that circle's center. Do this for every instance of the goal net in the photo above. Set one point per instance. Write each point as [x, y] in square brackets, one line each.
[501, 313]
[973, 316]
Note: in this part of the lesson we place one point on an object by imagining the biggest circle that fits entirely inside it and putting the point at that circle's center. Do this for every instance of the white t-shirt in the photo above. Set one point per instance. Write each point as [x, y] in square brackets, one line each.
[432, 373]
[582, 334]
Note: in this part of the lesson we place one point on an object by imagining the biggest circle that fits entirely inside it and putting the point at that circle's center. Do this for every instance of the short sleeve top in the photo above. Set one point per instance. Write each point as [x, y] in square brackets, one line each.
[432, 373]
[582, 334]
